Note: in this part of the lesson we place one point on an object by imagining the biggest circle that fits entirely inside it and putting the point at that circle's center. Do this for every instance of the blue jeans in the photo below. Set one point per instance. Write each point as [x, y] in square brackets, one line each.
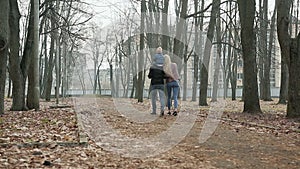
[160, 90]
[173, 87]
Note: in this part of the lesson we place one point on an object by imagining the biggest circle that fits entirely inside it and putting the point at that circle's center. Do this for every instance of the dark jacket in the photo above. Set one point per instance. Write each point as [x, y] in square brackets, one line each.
[157, 75]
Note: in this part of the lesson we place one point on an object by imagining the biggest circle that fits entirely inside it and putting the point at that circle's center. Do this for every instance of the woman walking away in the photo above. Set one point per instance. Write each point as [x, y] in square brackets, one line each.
[172, 84]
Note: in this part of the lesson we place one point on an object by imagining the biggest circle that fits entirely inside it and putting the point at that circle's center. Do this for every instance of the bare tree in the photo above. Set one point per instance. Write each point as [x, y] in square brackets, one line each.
[178, 46]
[264, 58]
[33, 94]
[4, 43]
[247, 14]
[290, 52]
[165, 37]
[15, 71]
[207, 52]
[198, 38]
[140, 80]
[218, 59]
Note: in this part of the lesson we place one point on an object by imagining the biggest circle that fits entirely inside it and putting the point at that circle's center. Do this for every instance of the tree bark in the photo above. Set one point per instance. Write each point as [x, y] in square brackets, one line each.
[269, 57]
[283, 8]
[247, 14]
[266, 90]
[207, 52]
[18, 80]
[196, 54]
[140, 86]
[293, 106]
[178, 46]
[290, 51]
[4, 43]
[165, 31]
[218, 59]
[284, 82]
[33, 95]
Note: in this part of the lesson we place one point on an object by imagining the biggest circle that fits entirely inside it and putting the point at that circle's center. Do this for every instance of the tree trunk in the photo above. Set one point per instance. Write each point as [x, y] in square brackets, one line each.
[178, 40]
[247, 14]
[207, 52]
[290, 51]
[233, 76]
[9, 88]
[184, 92]
[33, 95]
[266, 95]
[46, 68]
[112, 84]
[283, 8]
[4, 43]
[18, 92]
[284, 82]
[196, 54]
[218, 59]
[293, 106]
[269, 57]
[57, 67]
[233, 73]
[140, 85]
[49, 71]
[165, 30]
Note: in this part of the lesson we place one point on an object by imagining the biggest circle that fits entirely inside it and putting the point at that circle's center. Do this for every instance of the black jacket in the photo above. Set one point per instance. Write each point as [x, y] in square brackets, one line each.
[157, 75]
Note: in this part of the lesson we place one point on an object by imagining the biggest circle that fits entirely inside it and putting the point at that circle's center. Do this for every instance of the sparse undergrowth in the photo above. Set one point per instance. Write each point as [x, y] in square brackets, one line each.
[49, 137]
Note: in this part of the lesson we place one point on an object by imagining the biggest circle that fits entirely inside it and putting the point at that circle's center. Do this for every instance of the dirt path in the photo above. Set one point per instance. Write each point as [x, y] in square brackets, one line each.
[234, 144]
[123, 134]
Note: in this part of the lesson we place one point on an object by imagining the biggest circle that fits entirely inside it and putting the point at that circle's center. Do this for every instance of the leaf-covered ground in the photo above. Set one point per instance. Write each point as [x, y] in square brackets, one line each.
[49, 138]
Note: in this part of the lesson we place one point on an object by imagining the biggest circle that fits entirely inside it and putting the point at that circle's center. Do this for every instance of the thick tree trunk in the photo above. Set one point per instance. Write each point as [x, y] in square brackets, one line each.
[18, 92]
[290, 50]
[247, 14]
[4, 44]
[293, 107]
[207, 52]
[283, 8]
[33, 95]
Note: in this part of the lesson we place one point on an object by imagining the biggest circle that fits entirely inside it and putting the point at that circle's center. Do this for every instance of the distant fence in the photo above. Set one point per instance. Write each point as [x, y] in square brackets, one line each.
[239, 91]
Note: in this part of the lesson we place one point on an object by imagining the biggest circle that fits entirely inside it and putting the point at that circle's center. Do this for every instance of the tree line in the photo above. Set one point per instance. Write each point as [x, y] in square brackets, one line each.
[55, 31]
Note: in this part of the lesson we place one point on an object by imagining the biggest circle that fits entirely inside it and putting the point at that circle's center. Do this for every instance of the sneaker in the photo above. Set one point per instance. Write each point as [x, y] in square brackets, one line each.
[169, 113]
[175, 113]
[153, 113]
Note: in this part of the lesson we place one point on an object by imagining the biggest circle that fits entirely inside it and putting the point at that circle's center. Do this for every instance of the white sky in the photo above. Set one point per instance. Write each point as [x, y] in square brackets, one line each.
[105, 10]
